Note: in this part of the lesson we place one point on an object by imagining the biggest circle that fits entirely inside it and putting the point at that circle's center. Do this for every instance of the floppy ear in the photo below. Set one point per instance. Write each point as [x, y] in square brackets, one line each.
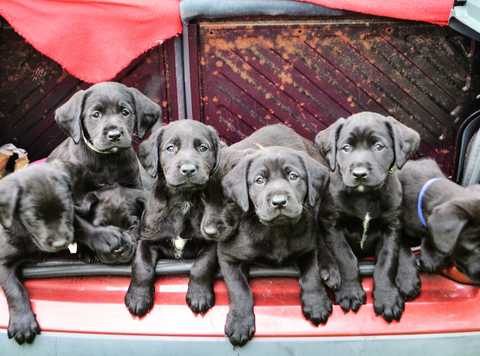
[9, 196]
[89, 202]
[318, 178]
[326, 142]
[147, 152]
[235, 183]
[218, 144]
[68, 116]
[147, 112]
[445, 225]
[406, 141]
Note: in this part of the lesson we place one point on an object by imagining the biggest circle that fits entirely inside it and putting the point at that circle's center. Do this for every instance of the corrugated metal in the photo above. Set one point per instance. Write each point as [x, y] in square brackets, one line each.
[309, 73]
[32, 86]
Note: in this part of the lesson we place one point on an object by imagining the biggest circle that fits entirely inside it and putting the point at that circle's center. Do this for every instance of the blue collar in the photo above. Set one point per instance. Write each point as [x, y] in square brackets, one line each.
[420, 198]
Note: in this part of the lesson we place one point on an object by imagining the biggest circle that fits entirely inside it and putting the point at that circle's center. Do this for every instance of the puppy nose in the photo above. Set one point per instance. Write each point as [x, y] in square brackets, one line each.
[279, 201]
[211, 231]
[188, 170]
[360, 173]
[114, 135]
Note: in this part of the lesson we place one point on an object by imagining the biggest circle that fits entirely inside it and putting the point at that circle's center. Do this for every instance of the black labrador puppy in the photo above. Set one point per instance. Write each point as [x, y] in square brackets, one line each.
[181, 156]
[445, 215]
[100, 122]
[280, 188]
[222, 214]
[360, 215]
[36, 218]
[112, 206]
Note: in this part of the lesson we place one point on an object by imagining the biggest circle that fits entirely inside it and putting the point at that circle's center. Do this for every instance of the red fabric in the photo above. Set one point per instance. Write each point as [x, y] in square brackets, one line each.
[96, 39]
[93, 39]
[435, 11]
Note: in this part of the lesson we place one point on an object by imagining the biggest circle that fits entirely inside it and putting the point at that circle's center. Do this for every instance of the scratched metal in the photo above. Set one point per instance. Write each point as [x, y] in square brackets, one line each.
[308, 74]
[32, 86]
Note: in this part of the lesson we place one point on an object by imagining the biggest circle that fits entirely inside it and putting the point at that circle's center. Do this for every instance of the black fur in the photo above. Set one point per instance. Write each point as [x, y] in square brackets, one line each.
[362, 152]
[279, 189]
[452, 214]
[181, 156]
[36, 217]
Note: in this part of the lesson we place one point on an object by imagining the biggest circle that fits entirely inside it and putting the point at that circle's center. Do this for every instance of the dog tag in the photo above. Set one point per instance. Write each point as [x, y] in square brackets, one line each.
[72, 247]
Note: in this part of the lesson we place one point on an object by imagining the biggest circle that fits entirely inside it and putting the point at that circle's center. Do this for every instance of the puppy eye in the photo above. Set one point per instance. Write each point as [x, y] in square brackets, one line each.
[96, 114]
[170, 148]
[203, 148]
[346, 148]
[293, 176]
[379, 147]
[125, 112]
[230, 201]
[260, 180]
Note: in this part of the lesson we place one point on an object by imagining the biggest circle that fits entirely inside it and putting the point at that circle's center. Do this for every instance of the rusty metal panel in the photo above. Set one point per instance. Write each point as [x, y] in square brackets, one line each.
[33, 86]
[309, 73]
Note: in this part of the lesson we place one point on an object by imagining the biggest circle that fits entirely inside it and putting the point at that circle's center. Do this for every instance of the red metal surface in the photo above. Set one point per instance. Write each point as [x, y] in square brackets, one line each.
[309, 73]
[95, 305]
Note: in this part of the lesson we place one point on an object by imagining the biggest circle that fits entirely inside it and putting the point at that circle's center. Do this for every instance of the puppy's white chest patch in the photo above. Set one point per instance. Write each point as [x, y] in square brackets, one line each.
[365, 225]
[179, 245]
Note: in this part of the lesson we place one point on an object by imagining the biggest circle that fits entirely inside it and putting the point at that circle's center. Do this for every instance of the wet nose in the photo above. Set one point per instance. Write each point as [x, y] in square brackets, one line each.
[114, 135]
[188, 170]
[279, 201]
[360, 173]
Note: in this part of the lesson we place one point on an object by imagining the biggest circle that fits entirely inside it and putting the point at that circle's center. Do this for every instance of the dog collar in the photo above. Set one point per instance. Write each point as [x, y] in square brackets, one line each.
[420, 198]
[92, 147]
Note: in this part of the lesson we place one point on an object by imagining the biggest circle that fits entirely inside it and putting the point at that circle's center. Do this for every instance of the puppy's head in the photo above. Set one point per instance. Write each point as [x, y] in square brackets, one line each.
[106, 115]
[41, 199]
[116, 206]
[184, 153]
[454, 228]
[365, 147]
[279, 182]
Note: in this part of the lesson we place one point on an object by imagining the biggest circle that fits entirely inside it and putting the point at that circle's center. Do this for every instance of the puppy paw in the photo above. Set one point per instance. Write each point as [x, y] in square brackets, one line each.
[109, 239]
[331, 276]
[432, 262]
[350, 296]
[389, 303]
[409, 286]
[23, 327]
[239, 328]
[200, 297]
[316, 307]
[139, 301]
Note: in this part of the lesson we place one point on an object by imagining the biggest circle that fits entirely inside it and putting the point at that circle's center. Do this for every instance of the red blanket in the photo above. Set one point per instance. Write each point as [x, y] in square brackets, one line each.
[95, 39]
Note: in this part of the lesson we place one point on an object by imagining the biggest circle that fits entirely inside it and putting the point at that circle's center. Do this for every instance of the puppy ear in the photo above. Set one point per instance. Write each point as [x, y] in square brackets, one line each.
[326, 142]
[445, 225]
[406, 140]
[318, 178]
[68, 116]
[10, 193]
[235, 183]
[147, 112]
[147, 152]
[218, 144]
[89, 202]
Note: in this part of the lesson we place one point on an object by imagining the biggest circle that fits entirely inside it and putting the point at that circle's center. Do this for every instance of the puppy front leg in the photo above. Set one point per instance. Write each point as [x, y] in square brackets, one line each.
[22, 324]
[351, 294]
[139, 297]
[408, 278]
[387, 299]
[316, 305]
[240, 325]
[329, 271]
[200, 295]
